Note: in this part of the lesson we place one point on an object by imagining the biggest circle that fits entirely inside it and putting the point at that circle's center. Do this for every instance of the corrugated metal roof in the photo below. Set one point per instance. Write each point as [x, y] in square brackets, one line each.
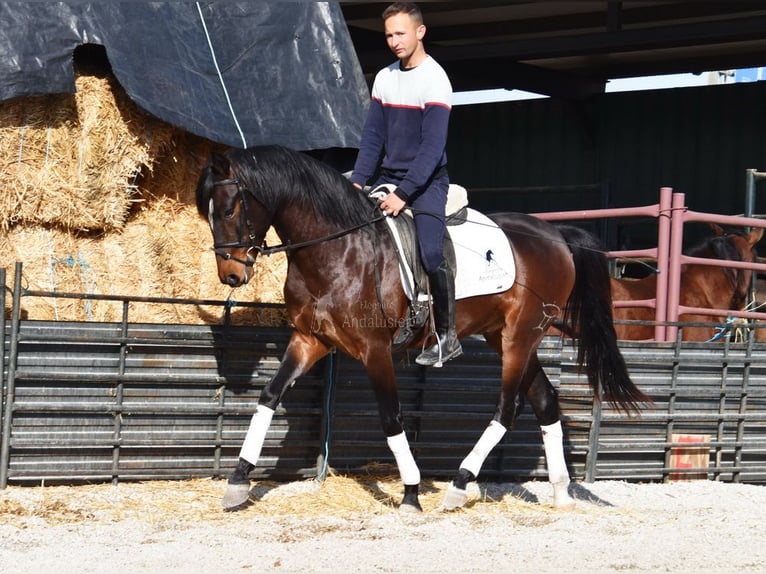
[570, 49]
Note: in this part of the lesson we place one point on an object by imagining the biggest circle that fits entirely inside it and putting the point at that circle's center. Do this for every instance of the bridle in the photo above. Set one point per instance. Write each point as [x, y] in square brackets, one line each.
[260, 247]
[250, 243]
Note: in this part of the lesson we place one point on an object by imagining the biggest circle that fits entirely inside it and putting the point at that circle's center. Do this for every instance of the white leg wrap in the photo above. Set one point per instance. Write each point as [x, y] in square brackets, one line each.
[558, 475]
[256, 434]
[491, 436]
[553, 442]
[408, 468]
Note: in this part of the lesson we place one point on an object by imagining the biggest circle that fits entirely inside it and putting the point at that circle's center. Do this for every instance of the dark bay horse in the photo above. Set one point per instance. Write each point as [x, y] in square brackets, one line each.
[702, 286]
[343, 290]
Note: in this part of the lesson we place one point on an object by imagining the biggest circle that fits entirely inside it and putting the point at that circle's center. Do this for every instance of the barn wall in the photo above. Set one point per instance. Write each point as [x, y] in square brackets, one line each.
[698, 140]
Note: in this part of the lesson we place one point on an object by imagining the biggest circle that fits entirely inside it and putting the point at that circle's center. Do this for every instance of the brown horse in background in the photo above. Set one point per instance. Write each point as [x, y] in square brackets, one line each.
[702, 286]
[343, 290]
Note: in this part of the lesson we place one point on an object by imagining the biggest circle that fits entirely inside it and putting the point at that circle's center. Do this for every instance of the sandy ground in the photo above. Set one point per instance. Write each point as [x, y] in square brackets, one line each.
[351, 524]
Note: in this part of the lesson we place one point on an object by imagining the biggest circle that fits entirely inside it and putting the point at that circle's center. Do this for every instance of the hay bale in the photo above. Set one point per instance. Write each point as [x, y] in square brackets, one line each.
[99, 198]
[72, 160]
[164, 252]
[175, 170]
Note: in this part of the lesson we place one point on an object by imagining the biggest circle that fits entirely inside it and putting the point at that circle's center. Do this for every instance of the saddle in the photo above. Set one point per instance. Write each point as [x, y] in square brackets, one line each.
[414, 276]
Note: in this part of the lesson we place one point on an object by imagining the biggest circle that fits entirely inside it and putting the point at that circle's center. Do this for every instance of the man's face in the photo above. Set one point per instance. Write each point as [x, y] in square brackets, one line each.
[403, 34]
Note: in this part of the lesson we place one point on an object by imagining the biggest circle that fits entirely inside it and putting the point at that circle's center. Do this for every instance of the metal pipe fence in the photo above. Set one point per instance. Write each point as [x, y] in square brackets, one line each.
[671, 213]
[118, 401]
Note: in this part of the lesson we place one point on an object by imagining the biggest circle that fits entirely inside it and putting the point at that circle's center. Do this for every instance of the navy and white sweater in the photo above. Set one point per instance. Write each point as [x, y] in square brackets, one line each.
[407, 123]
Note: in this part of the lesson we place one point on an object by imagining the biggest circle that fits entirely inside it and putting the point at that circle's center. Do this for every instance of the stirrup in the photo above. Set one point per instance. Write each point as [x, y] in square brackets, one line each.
[438, 354]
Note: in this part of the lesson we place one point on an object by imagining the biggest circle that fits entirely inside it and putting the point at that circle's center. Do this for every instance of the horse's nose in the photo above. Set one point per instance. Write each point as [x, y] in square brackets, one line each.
[233, 280]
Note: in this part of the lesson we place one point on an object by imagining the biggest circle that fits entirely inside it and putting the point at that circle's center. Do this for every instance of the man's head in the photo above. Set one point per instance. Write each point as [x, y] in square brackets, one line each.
[404, 30]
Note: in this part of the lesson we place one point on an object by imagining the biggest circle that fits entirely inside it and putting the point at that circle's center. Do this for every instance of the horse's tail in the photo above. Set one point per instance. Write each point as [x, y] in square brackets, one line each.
[589, 316]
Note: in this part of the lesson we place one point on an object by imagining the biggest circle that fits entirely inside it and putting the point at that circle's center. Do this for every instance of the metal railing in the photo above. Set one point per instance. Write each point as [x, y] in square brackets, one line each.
[671, 213]
[123, 401]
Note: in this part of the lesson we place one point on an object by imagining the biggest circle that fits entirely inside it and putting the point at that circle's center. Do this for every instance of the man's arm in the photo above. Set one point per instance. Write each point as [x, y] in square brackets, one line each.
[371, 146]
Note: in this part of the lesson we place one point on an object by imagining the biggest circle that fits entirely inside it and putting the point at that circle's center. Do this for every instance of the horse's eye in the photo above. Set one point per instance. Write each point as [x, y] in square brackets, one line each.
[229, 213]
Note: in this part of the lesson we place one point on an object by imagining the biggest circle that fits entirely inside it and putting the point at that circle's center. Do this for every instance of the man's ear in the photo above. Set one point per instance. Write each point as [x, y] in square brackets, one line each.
[420, 31]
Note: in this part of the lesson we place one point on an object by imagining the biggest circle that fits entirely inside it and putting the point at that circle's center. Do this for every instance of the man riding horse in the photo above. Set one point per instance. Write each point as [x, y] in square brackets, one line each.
[407, 125]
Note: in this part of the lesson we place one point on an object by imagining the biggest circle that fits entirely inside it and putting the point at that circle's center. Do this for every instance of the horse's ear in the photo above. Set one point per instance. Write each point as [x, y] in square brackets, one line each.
[220, 165]
[717, 229]
[755, 235]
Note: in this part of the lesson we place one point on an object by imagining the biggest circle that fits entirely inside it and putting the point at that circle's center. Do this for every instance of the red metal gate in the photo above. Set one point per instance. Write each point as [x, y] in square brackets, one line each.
[671, 213]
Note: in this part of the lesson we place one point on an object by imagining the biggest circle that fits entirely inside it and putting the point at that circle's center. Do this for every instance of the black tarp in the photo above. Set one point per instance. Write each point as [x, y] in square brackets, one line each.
[238, 73]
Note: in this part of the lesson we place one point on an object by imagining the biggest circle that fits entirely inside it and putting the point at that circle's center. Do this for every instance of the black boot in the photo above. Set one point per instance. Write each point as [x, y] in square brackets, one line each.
[442, 284]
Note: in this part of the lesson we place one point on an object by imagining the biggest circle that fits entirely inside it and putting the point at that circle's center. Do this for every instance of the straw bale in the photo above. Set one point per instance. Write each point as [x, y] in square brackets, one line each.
[164, 252]
[176, 168]
[99, 198]
[72, 160]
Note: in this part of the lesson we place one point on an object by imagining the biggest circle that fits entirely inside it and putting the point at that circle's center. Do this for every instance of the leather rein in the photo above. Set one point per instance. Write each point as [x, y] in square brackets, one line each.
[262, 248]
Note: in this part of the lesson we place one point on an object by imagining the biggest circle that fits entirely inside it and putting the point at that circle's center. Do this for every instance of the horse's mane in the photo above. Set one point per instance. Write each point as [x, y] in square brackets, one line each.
[277, 176]
[716, 247]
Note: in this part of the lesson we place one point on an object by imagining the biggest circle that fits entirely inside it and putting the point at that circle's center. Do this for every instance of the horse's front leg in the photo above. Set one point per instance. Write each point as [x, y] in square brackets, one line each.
[383, 378]
[301, 354]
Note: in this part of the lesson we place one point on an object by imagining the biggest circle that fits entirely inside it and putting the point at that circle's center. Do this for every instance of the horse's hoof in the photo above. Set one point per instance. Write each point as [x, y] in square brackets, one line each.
[561, 498]
[410, 502]
[236, 496]
[454, 498]
[405, 508]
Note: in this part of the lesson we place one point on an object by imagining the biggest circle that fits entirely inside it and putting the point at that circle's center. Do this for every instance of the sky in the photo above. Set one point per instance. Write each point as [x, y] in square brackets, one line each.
[621, 85]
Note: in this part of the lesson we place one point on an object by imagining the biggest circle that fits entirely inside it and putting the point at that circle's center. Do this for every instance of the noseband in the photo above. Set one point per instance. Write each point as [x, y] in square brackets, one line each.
[250, 242]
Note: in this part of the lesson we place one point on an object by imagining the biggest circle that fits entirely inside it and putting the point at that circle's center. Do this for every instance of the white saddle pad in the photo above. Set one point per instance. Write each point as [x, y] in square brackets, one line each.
[483, 254]
[484, 257]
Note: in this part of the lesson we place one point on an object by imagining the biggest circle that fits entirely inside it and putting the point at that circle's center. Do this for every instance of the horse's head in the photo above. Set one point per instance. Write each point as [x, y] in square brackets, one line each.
[238, 222]
[737, 246]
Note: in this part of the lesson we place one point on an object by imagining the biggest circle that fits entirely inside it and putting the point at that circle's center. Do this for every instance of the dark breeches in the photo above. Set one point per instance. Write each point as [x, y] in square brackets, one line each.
[429, 223]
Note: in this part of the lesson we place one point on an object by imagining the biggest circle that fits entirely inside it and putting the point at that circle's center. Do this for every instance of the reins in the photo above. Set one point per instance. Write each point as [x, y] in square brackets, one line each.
[263, 248]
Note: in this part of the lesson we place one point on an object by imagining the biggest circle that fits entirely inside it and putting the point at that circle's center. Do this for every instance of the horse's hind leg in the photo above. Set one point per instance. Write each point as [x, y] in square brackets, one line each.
[514, 367]
[301, 353]
[543, 398]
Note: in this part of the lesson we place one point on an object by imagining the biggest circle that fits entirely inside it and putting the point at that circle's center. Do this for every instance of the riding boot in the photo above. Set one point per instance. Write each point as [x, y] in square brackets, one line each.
[447, 346]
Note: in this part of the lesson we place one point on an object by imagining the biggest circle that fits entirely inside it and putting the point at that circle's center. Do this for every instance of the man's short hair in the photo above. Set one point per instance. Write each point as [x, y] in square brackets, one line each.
[409, 8]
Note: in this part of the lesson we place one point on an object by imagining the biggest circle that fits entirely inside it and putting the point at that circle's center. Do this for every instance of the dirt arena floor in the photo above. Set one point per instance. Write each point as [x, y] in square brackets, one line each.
[351, 524]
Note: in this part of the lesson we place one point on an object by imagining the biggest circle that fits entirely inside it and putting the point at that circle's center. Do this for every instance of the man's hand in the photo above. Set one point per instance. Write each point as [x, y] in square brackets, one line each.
[392, 204]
